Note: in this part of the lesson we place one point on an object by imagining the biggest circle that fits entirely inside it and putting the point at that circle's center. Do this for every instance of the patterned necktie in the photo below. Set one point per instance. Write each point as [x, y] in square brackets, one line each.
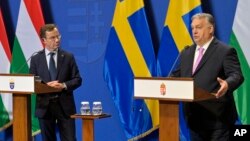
[201, 50]
[52, 66]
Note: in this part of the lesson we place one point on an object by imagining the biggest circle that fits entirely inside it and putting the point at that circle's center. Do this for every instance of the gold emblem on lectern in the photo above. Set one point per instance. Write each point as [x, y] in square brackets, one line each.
[12, 83]
[163, 89]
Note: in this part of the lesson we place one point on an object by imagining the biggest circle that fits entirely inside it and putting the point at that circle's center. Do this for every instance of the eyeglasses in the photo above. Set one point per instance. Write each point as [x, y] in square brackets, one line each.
[55, 37]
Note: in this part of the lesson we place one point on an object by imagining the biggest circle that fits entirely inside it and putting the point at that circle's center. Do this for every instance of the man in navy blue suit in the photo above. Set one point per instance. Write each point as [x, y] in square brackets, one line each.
[215, 67]
[58, 69]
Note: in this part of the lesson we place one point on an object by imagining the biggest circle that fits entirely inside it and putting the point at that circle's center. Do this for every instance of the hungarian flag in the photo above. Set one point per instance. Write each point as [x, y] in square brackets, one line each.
[240, 41]
[5, 57]
[26, 42]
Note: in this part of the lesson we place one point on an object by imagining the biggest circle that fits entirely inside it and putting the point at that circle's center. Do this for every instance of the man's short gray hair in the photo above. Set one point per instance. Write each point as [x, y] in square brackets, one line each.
[207, 16]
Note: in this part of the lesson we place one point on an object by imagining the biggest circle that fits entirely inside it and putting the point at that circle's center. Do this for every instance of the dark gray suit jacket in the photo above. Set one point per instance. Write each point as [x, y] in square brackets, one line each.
[67, 72]
[221, 61]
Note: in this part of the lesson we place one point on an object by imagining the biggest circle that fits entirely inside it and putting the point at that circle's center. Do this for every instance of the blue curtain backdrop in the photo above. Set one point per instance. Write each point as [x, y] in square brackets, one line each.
[85, 27]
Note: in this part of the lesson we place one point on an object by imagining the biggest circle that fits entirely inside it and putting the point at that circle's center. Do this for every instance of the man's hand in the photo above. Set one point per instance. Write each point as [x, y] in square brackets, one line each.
[56, 84]
[223, 88]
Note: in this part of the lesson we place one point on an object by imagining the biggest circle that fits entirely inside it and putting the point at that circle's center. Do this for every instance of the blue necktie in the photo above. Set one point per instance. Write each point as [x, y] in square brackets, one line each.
[52, 66]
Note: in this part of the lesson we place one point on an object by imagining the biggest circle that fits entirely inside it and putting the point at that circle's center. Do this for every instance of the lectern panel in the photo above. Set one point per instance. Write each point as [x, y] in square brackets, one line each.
[164, 89]
[12, 83]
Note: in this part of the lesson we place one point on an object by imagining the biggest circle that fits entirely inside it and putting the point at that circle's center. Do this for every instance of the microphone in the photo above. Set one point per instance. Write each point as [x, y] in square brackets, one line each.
[176, 60]
[33, 54]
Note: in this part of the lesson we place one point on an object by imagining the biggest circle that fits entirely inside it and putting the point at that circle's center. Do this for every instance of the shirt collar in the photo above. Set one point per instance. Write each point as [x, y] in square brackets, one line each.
[47, 51]
[206, 45]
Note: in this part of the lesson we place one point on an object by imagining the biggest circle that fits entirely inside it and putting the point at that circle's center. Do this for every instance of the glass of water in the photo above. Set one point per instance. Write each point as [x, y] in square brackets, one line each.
[85, 108]
[97, 108]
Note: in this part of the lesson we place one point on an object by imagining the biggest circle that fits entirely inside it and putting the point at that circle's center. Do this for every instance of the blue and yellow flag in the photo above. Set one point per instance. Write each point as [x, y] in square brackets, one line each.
[130, 54]
[175, 36]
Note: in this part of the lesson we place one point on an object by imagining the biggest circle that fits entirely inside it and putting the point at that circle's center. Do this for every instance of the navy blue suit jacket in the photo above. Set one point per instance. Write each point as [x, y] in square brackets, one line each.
[67, 72]
[221, 61]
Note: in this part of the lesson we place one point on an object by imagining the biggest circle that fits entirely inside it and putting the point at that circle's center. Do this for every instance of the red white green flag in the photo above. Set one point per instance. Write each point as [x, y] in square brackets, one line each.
[6, 116]
[26, 42]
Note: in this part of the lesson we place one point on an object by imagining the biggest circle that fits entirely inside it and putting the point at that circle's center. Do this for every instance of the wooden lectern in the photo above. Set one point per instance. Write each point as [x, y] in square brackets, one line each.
[169, 92]
[22, 86]
[88, 125]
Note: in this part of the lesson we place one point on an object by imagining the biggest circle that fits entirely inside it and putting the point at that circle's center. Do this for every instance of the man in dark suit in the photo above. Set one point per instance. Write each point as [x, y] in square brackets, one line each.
[58, 69]
[215, 67]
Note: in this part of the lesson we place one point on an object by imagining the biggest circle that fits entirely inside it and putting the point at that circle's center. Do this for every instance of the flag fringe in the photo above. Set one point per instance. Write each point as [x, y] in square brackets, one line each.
[144, 134]
[36, 132]
[6, 125]
[11, 123]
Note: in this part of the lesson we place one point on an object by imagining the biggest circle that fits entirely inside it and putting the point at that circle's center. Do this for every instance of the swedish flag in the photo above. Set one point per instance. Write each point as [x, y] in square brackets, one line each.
[175, 36]
[130, 54]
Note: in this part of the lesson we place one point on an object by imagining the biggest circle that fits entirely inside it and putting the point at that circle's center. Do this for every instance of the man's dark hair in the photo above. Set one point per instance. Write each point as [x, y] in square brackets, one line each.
[45, 28]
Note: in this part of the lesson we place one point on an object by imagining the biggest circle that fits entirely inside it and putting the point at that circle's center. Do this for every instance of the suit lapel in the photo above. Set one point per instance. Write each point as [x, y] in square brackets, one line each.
[207, 54]
[60, 58]
[44, 65]
[191, 59]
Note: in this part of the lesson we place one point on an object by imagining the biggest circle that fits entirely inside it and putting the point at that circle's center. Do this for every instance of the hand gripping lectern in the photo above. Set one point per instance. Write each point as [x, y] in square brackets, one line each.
[22, 86]
[169, 92]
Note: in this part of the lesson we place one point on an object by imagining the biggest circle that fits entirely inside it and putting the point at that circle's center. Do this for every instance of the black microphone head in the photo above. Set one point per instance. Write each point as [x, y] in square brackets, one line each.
[40, 51]
[33, 54]
[187, 46]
